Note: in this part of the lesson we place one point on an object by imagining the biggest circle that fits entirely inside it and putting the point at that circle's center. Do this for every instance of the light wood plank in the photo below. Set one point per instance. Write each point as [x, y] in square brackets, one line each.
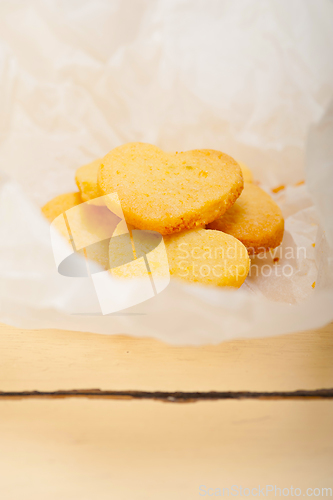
[52, 359]
[81, 449]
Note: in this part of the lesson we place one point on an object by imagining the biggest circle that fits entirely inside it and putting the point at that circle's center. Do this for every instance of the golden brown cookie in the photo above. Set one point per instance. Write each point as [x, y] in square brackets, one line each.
[197, 255]
[167, 192]
[246, 172]
[60, 204]
[86, 180]
[255, 219]
[208, 257]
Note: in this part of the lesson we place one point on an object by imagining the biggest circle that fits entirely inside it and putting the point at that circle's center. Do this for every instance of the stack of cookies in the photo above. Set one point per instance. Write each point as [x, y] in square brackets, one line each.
[205, 205]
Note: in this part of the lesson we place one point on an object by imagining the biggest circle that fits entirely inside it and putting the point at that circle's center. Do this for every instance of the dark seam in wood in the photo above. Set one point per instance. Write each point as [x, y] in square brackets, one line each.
[172, 397]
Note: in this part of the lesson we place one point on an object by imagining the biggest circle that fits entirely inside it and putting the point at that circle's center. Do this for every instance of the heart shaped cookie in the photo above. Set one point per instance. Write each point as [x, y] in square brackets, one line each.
[167, 192]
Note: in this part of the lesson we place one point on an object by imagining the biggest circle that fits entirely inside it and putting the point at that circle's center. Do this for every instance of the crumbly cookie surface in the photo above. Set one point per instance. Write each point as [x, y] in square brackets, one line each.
[208, 257]
[255, 219]
[86, 180]
[196, 255]
[246, 172]
[168, 192]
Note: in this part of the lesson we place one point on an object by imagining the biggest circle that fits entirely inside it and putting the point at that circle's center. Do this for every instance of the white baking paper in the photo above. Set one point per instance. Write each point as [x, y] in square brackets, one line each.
[250, 78]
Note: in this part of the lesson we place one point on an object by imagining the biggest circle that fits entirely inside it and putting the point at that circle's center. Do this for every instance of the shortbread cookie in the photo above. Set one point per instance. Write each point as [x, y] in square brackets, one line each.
[167, 192]
[60, 204]
[86, 180]
[255, 220]
[208, 257]
[247, 174]
[197, 255]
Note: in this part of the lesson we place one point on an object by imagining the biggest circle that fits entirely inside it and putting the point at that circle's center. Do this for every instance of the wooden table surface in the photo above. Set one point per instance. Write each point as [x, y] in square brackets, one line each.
[85, 416]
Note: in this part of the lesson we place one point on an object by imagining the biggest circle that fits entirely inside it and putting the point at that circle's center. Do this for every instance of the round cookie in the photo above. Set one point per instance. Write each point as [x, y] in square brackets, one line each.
[247, 174]
[167, 192]
[208, 257]
[60, 204]
[255, 219]
[86, 180]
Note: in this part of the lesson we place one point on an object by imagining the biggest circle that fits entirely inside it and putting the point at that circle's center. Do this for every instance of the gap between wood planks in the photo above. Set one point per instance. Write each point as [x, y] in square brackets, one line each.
[171, 397]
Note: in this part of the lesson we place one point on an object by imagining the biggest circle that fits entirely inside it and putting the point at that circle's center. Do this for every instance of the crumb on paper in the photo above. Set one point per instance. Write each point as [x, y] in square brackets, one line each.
[300, 183]
[313, 244]
[313, 284]
[278, 188]
[276, 260]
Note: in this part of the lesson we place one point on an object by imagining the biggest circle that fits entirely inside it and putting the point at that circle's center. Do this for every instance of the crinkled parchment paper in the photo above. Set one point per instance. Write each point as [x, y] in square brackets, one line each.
[251, 78]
